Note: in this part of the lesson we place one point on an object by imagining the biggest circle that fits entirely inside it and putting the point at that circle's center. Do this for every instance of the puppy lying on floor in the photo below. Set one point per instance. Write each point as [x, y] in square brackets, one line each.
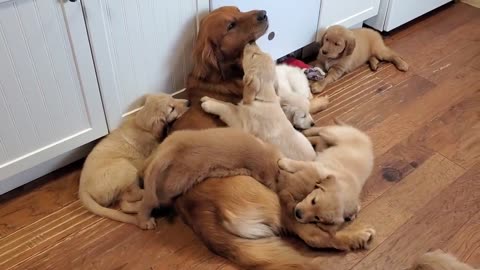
[188, 157]
[343, 50]
[259, 112]
[339, 171]
[439, 260]
[110, 170]
[296, 97]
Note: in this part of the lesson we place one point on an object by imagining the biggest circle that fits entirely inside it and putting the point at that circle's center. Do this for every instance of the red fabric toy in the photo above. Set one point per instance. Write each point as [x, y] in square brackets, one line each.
[291, 61]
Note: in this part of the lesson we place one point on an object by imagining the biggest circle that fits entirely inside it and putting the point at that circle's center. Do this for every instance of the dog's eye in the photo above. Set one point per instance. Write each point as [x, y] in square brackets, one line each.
[231, 26]
[170, 110]
[326, 39]
[337, 44]
[316, 218]
[313, 201]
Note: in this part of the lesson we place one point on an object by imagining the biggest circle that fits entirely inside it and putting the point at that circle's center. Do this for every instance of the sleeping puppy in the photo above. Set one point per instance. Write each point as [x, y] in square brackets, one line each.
[260, 112]
[110, 170]
[439, 260]
[343, 50]
[296, 97]
[339, 173]
[189, 157]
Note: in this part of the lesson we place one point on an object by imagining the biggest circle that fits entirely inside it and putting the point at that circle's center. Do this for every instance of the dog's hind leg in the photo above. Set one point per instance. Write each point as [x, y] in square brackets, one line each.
[386, 54]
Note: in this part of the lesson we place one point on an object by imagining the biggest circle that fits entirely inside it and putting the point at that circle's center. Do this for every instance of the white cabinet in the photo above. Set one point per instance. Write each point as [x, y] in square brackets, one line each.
[347, 12]
[139, 47]
[294, 23]
[49, 98]
[394, 13]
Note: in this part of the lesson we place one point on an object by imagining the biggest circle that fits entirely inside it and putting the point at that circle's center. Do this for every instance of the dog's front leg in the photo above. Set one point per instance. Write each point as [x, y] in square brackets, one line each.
[227, 112]
[334, 73]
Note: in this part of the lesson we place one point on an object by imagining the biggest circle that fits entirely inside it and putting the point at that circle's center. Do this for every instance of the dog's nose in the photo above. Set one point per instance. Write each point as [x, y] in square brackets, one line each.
[188, 103]
[262, 16]
[312, 124]
[298, 213]
[324, 52]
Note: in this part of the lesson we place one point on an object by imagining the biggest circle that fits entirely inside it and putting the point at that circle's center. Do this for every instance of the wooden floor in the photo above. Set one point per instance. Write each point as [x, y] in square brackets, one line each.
[424, 192]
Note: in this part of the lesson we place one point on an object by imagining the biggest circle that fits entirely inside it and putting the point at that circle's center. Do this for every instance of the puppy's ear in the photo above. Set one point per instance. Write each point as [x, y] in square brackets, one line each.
[250, 88]
[151, 117]
[350, 43]
[320, 35]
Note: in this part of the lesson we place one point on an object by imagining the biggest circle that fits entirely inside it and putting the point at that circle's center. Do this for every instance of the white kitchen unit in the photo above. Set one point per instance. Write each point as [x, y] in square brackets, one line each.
[347, 12]
[139, 47]
[393, 13]
[49, 97]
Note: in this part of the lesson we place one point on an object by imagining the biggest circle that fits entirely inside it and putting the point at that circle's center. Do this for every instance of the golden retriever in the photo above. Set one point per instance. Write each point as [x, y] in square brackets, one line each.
[343, 50]
[188, 157]
[207, 207]
[339, 173]
[260, 112]
[439, 260]
[110, 170]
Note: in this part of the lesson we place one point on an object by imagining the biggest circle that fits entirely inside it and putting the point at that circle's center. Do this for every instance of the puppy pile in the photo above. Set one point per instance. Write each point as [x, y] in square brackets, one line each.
[315, 177]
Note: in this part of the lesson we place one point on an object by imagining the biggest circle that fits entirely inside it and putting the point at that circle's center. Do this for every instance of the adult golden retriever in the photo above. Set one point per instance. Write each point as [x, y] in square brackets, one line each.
[223, 212]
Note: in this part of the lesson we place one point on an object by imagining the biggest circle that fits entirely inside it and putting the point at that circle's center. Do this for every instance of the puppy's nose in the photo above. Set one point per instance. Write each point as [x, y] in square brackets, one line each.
[324, 52]
[188, 103]
[312, 124]
[262, 16]
[298, 213]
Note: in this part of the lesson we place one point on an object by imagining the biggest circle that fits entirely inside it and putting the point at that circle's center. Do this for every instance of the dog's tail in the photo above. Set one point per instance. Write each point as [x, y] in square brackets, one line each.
[94, 207]
[339, 122]
[270, 253]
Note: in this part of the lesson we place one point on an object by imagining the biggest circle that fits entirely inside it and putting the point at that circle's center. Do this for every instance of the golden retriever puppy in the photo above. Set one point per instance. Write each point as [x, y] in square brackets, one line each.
[110, 170]
[439, 260]
[260, 112]
[339, 173]
[343, 50]
[296, 97]
[188, 157]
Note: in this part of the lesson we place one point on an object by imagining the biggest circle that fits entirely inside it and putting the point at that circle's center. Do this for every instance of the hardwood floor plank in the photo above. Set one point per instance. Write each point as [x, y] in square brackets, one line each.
[400, 203]
[430, 227]
[466, 241]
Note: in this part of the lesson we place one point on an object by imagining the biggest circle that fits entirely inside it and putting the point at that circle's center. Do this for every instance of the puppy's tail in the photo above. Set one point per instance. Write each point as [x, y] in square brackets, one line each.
[339, 122]
[97, 209]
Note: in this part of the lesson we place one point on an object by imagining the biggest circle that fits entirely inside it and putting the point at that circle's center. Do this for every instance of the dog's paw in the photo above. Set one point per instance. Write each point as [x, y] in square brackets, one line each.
[148, 224]
[205, 98]
[402, 66]
[362, 239]
[318, 87]
[283, 164]
[207, 105]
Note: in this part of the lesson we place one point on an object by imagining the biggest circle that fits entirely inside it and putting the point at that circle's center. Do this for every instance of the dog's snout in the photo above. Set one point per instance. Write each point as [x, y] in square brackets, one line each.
[262, 16]
[324, 52]
[312, 124]
[188, 103]
[298, 213]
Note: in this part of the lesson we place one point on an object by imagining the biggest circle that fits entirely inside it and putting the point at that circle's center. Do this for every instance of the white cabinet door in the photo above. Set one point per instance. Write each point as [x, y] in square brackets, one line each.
[49, 98]
[139, 47]
[294, 23]
[347, 12]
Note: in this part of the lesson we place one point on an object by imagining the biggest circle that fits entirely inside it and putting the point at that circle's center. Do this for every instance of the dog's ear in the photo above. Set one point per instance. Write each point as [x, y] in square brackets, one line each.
[204, 56]
[151, 117]
[350, 43]
[320, 34]
[249, 88]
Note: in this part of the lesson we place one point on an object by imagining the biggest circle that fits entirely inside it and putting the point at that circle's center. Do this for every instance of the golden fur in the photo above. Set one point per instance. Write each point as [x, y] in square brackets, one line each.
[343, 50]
[188, 157]
[260, 112]
[110, 170]
[439, 260]
[208, 207]
[339, 173]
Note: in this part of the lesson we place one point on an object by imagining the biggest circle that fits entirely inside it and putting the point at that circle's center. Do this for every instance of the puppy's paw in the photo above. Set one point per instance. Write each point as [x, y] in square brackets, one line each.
[205, 98]
[207, 105]
[402, 66]
[318, 87]
[148, 224]
[283, 164]
[363, 238]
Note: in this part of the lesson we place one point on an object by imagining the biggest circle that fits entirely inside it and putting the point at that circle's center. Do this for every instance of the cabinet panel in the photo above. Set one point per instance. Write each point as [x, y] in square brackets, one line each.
[139, 47]
[293, 22]
[347, 12]
[49, 98]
